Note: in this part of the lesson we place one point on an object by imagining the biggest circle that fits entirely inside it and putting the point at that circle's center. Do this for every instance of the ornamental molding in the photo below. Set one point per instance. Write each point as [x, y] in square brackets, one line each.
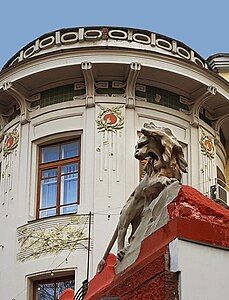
[10, 142]
[76, 38]
[52, 236]
[110, 119]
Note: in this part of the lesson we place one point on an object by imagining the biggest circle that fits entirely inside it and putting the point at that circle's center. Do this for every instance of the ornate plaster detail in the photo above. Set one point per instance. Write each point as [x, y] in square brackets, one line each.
[22, 99]
[207, 145]
[110, 122]
[110, 119]
[110, 88]
[80, 87]
[46, 237]
[135, 68]
[195, 106]
[11, 141]
[89, 82]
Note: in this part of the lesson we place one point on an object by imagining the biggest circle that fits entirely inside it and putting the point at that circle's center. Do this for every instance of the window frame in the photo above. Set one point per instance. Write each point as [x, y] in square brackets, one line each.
[57, 164]
[53, 280]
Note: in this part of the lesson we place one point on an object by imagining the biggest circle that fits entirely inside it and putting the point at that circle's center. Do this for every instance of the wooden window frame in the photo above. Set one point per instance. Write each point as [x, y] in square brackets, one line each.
[53, 280]
[57, 164]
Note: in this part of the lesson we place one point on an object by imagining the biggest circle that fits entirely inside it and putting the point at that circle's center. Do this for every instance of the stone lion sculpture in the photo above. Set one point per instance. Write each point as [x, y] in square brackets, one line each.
[165, 163]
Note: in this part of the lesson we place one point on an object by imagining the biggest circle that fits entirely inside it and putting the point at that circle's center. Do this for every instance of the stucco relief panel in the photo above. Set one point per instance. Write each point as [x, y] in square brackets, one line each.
[110, 123]
[52, 236]
[9, 153]
[207, 160]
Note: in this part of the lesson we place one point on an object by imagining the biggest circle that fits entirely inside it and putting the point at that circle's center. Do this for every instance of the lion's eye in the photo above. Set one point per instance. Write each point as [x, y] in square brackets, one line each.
[141, 144]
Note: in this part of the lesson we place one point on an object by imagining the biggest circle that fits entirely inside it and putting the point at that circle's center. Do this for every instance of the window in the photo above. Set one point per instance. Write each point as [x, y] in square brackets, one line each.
[52, 289]
[58, 187]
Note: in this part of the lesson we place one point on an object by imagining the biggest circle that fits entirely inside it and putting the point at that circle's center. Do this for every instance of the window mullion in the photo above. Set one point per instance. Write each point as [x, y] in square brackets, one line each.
[58, 190]
[38, 194]
[55, 287]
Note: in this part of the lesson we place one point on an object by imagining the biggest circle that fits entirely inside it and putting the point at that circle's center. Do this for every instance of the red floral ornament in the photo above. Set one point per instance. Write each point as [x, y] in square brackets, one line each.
[11, 142]
[207, 145]
[110, 119]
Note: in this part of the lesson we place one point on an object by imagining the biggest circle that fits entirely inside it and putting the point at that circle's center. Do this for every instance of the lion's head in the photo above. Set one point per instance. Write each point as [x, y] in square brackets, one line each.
[164, 152]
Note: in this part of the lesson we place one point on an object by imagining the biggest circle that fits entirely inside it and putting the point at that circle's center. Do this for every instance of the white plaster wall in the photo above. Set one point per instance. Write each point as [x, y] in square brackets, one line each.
[106, 180]
[204, 271]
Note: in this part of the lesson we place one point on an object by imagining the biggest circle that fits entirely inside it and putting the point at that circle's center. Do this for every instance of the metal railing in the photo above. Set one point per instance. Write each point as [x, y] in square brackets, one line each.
[80, 294]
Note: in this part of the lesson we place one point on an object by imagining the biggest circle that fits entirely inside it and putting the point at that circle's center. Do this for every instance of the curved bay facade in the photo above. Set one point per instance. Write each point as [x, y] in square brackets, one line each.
[72, 104]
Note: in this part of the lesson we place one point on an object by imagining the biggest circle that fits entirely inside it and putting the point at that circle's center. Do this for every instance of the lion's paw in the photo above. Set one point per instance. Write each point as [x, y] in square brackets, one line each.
[100, 266]
[121, 254]
[167, 181]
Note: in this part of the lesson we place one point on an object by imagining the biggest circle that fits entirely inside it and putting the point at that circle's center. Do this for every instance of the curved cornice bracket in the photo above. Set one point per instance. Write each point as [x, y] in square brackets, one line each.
[21, 98]
[217, 125]
[135, 68]
[195, 107]
[3, 121]
[89, 82]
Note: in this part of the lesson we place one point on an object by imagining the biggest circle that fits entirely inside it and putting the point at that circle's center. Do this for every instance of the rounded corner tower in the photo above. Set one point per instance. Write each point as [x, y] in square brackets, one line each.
[72, 104]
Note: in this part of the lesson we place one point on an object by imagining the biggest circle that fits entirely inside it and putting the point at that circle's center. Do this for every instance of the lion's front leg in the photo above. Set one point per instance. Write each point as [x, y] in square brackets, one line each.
[122, 229]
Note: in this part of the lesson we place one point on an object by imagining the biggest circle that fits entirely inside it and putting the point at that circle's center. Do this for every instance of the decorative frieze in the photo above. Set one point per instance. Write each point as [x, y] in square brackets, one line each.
[76, 38]
[110, 88]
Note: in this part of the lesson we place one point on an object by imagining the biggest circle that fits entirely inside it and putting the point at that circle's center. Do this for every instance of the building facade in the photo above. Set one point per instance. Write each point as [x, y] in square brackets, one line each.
[72, 104]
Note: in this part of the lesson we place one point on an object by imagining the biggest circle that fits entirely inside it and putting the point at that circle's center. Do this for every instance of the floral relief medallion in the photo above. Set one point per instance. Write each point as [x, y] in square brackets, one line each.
[207, 145]
[11, 142]
[110, 119]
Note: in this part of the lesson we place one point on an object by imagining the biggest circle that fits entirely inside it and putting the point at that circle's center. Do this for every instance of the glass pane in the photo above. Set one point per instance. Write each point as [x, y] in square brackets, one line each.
[68, 209]
[63, 285]
[48, 192]
[70, 168]
[45, 291]
[50, 153]
[70, 149]
[49, 173]
[69, 188]
[47, 213]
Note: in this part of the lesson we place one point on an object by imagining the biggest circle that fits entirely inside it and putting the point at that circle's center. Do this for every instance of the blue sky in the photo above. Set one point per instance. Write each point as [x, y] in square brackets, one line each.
[202, 25]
